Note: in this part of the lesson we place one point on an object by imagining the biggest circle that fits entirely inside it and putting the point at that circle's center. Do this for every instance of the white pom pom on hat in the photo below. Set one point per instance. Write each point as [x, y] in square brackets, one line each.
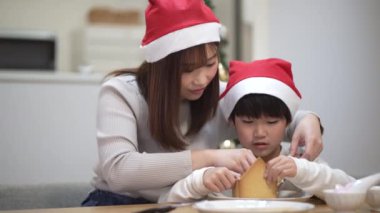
[272, 76]
[174, 25]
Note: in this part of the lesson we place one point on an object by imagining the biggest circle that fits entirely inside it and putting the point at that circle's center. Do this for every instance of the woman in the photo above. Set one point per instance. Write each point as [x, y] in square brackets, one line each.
[158, 123]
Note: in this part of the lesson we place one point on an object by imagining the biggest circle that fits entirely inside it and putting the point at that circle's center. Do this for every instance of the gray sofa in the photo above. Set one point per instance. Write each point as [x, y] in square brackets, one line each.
[56, 195]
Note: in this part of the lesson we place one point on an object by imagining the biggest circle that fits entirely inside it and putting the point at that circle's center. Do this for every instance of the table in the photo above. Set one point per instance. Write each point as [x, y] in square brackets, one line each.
[321, 207]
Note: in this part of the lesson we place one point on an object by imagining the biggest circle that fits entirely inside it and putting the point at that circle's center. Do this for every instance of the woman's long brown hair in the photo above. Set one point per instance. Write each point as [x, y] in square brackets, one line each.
[160, 84]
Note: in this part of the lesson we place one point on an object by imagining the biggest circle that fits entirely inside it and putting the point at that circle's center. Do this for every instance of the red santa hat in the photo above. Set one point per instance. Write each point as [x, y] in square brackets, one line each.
[174, 25]
[271, 76]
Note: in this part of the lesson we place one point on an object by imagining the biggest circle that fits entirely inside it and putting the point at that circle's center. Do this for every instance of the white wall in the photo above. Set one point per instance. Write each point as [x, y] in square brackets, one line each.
[335, 49]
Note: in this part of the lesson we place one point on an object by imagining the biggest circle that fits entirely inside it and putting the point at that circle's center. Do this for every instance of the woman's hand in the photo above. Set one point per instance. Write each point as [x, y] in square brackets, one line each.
[219, 179]
[279, 168]
[237, 160]
[307, 133]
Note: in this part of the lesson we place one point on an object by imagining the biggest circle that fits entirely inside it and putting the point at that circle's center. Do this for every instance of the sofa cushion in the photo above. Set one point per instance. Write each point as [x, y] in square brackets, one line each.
[55, 195]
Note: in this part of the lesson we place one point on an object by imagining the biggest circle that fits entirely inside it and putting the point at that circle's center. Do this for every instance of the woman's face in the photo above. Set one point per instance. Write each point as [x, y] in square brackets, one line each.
[194, 83]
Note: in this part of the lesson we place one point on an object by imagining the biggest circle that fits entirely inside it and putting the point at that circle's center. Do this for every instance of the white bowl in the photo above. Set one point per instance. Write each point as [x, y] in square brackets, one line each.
[344, 201]
[373, 198]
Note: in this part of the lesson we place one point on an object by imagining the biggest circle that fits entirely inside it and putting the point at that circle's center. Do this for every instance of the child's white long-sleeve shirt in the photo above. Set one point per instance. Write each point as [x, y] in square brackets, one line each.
[312, 177]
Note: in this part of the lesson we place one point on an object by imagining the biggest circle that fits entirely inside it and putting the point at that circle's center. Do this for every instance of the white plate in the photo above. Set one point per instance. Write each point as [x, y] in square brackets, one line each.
[284, 195]
[243, 206]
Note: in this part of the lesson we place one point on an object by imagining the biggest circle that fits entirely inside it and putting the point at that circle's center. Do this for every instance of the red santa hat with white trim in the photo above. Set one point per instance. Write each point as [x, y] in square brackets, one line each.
[174, 25]
[271, 76]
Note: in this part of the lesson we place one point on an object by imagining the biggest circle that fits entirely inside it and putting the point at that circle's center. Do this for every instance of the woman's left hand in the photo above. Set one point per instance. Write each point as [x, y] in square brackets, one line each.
[307, 133]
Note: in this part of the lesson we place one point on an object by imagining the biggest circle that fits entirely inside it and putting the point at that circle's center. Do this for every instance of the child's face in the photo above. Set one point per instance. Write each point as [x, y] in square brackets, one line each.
[262, 136]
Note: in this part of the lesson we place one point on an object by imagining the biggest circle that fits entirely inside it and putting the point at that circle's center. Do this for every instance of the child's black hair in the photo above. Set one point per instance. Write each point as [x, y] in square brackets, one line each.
[257, 105]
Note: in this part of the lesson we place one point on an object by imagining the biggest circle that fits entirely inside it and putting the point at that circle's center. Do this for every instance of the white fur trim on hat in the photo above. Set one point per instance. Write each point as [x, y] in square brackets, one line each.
[259, 85]
[181, 39]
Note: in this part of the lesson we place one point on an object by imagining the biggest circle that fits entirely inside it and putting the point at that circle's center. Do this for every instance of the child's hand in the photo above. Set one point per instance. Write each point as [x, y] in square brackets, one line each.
[219, 179]
[238, 160]
[279, 168]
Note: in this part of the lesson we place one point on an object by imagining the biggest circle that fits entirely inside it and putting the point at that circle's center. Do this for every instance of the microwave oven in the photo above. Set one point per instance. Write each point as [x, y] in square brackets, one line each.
[27, 50]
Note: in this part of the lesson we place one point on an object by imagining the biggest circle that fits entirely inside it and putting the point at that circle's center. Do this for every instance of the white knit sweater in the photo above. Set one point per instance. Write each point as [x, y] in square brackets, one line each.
[130, 161]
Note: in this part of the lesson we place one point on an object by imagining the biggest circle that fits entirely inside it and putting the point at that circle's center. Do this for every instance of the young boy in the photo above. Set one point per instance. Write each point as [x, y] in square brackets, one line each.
[260, 100]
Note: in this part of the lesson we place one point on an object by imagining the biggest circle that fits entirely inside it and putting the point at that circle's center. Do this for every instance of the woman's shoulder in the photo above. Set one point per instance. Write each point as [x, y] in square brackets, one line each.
[125, 89]
[122, 83]
[125, 86]
[121, 79]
